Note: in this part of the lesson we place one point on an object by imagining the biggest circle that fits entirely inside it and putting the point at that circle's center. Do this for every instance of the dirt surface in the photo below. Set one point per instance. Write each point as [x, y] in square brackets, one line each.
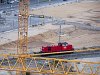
[87, 12]
[78, 38]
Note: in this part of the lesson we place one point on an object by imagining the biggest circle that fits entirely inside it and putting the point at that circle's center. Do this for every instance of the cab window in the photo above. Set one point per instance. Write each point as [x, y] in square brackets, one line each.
[64, 44]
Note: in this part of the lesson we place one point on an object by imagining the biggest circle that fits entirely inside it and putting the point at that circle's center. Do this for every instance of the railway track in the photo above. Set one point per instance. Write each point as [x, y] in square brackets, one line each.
[76, 55]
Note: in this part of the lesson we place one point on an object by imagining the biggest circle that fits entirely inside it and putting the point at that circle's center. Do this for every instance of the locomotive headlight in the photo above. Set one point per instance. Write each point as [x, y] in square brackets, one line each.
[65, 47]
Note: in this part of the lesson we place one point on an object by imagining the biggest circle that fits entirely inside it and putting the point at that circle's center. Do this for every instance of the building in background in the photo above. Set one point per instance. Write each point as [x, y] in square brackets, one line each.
[5, 1]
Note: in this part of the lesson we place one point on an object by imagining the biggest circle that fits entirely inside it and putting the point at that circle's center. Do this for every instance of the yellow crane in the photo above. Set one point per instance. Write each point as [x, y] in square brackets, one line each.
[23, 26]
[23, 62]
[23, 31]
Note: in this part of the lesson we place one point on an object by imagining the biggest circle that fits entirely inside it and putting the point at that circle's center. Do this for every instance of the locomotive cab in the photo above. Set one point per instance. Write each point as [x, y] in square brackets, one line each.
[63, 44]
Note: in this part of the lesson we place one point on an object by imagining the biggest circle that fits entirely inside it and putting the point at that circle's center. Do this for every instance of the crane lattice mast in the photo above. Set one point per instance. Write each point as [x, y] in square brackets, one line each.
[23, 26]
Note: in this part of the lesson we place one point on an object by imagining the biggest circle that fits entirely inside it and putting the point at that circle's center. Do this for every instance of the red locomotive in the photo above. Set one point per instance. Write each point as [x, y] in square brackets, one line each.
[58, 48]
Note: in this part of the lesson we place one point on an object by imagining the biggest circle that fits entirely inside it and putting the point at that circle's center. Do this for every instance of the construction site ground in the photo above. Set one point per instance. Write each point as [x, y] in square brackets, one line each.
[84, 12]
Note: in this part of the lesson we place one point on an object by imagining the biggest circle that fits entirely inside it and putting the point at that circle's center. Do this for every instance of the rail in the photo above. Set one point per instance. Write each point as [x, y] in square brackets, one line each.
[52, 53]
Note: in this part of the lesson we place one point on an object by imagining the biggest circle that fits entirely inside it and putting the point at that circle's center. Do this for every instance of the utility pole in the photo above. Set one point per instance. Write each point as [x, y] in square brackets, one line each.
[60, 33]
